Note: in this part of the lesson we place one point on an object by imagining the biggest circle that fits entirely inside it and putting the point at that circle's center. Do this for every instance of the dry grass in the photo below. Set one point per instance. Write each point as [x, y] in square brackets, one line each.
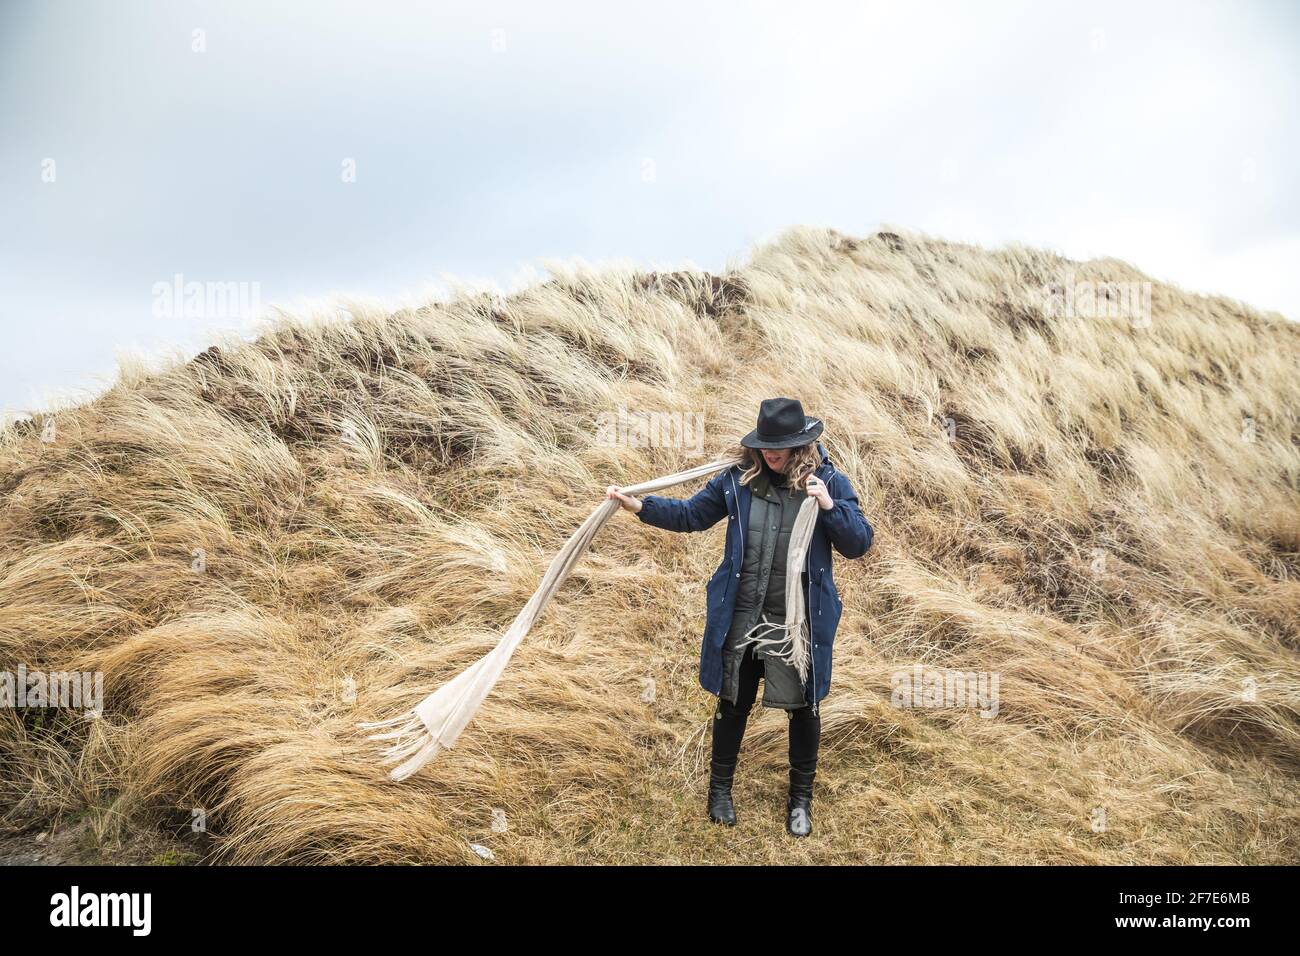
[377, 497]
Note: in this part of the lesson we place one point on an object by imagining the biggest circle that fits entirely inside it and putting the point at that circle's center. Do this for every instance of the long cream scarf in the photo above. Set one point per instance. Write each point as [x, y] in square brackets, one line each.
[436, 722]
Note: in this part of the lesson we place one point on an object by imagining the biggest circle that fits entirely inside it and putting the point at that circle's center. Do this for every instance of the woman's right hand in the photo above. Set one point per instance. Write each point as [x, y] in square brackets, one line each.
[629, 502]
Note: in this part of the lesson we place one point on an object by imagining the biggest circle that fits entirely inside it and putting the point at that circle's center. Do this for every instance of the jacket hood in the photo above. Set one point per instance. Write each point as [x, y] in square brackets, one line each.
[825, 458]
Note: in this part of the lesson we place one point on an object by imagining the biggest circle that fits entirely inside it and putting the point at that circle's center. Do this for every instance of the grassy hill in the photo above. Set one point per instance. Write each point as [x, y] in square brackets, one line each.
[269, 543]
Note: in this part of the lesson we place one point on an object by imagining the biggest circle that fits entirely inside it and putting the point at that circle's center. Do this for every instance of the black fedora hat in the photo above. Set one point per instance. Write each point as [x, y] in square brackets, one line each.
[782, 424]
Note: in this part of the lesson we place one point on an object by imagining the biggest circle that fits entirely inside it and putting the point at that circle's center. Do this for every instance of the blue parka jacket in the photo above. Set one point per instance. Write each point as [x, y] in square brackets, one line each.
[843, 527]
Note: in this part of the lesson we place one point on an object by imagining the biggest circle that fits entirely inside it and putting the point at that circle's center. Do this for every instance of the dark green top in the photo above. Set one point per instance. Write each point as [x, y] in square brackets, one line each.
[761, 590]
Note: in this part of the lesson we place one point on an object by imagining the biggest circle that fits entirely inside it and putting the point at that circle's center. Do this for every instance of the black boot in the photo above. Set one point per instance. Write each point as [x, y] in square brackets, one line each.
[798, 806]
[721, 809]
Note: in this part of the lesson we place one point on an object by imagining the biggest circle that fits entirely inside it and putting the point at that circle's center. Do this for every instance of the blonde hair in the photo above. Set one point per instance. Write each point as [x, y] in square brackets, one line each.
[803, 461]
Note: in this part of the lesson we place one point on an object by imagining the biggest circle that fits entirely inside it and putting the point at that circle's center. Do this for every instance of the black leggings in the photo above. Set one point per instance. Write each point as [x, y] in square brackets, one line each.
[729, 721]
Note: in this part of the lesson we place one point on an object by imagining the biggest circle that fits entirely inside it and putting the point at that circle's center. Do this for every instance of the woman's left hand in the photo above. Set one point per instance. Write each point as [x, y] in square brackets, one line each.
[817, 489]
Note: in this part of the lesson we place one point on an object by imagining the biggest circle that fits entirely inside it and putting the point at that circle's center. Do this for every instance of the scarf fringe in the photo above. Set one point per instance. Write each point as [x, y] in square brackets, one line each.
[400, 722]
[792, 647]
[436, 722]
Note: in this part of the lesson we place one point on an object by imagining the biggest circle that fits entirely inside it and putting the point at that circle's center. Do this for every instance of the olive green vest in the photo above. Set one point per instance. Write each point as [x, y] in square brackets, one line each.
[761, 593]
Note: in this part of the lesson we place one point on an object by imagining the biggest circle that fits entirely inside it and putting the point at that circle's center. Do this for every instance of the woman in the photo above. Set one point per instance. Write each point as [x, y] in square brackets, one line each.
[783, 463]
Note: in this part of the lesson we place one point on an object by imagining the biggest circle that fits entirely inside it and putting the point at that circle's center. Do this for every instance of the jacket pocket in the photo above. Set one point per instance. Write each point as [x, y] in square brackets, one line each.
[830, 607]
[716, 587]
[715, 591]
[833, 594]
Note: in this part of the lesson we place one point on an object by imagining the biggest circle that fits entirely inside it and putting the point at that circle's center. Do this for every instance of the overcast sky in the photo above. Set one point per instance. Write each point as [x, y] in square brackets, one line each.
[306, 149]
